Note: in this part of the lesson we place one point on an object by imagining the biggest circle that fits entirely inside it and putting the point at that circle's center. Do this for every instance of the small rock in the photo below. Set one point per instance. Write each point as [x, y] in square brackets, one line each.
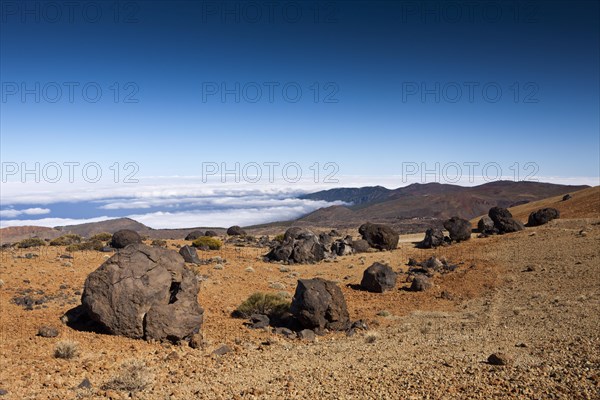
[218, 266]
[222, 350]
[249, 269]
[498, 359]
[3, 392]
[285, 332]
[259, 321]
[85, 384]
[420, 283]
[307, 334]
[47, 331]
[196, 342]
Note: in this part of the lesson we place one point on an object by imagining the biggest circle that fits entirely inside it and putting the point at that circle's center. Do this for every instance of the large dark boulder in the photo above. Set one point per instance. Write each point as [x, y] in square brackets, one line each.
[236, 231]
[319, 304]
[378, 278]
[144, 292]
[211, 233]
[189, 254]
[193, 235]
[458, 228]
[124, 237]
[300, 246]
[434, 237]
[379, 236]
[485, 225]
[542, 216]
[503, 220]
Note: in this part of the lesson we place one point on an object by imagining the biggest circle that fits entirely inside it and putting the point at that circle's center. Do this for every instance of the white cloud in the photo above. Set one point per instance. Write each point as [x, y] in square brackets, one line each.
[12, 213]
[49, 222]
[250, 214]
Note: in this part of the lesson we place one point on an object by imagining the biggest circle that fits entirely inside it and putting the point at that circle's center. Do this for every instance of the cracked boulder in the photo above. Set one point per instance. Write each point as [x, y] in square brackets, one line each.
[299, 246]
[319, 304]
[144, 292]
[379, 236]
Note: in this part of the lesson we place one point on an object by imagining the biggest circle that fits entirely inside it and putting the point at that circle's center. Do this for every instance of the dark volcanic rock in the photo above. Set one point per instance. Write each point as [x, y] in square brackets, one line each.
[378, 278]
[342, 247]
[299, 246]
[144, 292]
[211, 233]
[189, 255]
[485, 225]
[567, 197]
[434, 237]
[458, 228]
[503, 220]
[319, 304]
[420, 283]
[194, 235]
[236, 231]
[379, 236]
[124, 237]
[360, 246]
[543, 216]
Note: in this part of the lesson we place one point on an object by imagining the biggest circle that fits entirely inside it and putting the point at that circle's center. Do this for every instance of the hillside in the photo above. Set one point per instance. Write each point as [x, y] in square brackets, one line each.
[583, 204]
[407, 208]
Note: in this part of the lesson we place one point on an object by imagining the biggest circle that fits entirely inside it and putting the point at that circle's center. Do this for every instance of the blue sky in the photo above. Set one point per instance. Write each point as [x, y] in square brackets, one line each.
[386, 74]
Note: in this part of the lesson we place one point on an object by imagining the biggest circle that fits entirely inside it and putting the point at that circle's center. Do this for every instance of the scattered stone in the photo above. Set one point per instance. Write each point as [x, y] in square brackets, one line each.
[197, 341]
[420, 283]
[567, 197]
[542, 216]
[221, 351]
[144, 292]
[307, 334]
[249, 269]
[85, 384]
[47, 331]
[288, 333]
[458, 228]
[378, 278]
[277, 286]
[320, 304]
[498, 359]
[189, 254]
[123, 238]
[218, 267]
[3, 392]
[259, 321]
[379, 236]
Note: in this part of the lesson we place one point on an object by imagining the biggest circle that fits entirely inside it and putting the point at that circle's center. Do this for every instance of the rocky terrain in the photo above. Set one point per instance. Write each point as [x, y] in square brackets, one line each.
[506, 316]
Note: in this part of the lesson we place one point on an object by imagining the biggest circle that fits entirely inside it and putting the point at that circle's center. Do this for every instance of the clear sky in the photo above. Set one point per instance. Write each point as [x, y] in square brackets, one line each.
[367, 85]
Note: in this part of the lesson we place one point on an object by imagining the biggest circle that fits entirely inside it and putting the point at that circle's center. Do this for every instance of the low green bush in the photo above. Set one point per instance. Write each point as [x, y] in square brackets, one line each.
[31, 242]
[101, 237]
[65, 240]
[273, 305]
[207, 241]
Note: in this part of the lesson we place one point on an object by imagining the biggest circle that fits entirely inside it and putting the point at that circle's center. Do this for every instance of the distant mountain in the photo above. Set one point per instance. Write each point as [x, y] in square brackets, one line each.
[110, 226]
[356, 196]
[409, 208]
